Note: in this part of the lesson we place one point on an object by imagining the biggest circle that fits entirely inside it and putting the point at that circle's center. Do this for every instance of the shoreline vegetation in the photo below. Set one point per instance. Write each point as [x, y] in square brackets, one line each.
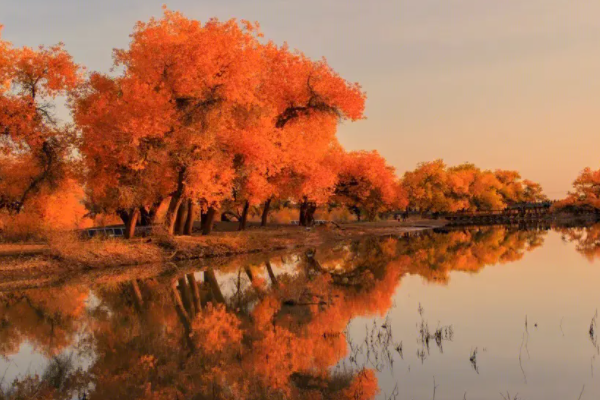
[189, 132]
[67, 252]
[198, 120]
[66, 256]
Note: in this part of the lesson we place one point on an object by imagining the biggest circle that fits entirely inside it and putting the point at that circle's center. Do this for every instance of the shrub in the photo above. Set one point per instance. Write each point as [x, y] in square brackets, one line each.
[24, 227]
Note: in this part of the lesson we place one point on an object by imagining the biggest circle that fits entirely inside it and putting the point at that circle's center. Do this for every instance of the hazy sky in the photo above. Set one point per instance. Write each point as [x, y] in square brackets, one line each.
[503, 84]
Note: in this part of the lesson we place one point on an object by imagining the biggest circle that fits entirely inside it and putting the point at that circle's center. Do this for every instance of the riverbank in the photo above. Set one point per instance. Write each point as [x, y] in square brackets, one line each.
[66, 255]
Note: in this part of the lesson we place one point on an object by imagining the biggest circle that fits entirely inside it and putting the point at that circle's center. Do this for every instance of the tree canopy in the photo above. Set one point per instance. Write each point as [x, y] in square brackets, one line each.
[207, 117]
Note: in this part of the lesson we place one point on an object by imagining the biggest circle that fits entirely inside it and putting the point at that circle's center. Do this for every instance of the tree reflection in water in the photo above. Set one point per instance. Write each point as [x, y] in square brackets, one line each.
[586, 239]
[277, 334]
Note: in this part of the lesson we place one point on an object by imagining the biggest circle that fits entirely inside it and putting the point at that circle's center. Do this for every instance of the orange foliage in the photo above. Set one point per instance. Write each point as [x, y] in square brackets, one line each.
[217, 329]
[586, 239]
[34, 148]
[364, 386]
[435, 256]
[208, 112]
[366, 183]
[283, 341]
[47, 318]
[586, 192]
[435, 187]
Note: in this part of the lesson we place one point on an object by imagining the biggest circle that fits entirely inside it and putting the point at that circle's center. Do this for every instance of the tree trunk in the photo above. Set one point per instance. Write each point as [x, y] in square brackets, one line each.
[249, 273]
[171, 214]
[225, 217]
[244, 217]
[356, 211]
[137, 294]
[309, 219]
[124, 215]
[265, 213]
[186, 296]
[186, 320]
[271, 274]
[181, 218]
[207, 223]
[302, 217]
[195, 292]
[131, 223]
[205, 294]
[211, 279]
[148, 217]
[144, 217]
[191, 216]
[48, 156]
[184, 317]
[175, 202]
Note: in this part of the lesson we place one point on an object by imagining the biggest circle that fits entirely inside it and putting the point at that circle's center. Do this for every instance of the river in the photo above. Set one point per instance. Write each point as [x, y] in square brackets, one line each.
[478, 313]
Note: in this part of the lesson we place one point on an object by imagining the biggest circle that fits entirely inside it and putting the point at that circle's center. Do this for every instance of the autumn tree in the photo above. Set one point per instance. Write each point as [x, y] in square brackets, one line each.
[474, 189]
[311, 184]
[516, 190]
[47, 318]
[585, 193]
[35, 148]
[366, 184]
[213, 114]
[172, 110]
[301, 102]
[121, 122]
[427, 187]
[435, 255]
[586, 240]
[435, 187]
[533, 192]
[307, 100]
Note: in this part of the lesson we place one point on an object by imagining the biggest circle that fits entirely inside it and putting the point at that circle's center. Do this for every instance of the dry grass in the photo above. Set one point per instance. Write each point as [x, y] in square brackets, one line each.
[97, 253]
[69, 257]
[227, 244]
[21, 228]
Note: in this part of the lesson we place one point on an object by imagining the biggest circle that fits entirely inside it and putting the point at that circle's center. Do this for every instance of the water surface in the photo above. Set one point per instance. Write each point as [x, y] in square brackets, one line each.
[459, 314]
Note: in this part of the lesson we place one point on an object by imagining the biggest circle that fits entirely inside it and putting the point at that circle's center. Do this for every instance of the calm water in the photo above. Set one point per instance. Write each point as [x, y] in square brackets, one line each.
[476, 314]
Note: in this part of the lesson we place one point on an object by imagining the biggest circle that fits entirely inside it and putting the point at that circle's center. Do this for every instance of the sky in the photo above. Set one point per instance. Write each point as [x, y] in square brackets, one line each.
[510, 84]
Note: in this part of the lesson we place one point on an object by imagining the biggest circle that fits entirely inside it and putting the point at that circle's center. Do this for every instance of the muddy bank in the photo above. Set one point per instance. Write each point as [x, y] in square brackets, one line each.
[67, 258]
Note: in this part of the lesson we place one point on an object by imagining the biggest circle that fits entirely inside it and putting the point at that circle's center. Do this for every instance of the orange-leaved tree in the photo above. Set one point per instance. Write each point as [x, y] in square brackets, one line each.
[300, 102]
[516, 190]
[35, 149]
[171, 112]
[213, 114]
[436, 188]
[585, 193]
[366, 184]
[307, 100]
[122, 122]
[427, 187]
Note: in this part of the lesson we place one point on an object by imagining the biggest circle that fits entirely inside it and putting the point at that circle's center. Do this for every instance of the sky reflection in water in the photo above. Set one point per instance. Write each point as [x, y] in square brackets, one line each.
[478, 312]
